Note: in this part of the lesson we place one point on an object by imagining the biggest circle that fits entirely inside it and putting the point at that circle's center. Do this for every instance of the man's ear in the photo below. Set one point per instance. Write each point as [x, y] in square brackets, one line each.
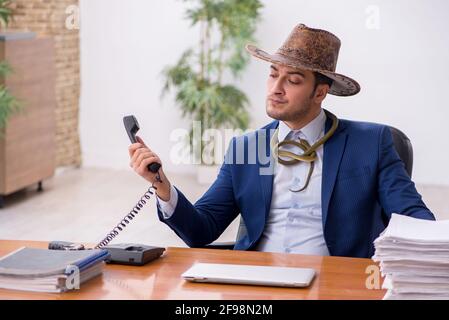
[321, 93]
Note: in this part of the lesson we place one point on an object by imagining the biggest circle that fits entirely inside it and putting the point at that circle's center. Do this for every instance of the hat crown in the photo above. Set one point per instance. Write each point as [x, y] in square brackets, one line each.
[315, 48]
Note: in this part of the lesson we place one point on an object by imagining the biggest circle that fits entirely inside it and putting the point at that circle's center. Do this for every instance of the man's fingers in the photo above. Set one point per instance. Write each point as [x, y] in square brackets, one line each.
[144, 155]
[136, 146]
[142, 168]
[140, 155]
[138, 152]
[132, 148]
[147, 161]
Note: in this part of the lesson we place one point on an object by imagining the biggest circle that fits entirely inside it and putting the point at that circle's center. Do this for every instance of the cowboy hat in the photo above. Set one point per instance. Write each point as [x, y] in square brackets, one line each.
[315, 50]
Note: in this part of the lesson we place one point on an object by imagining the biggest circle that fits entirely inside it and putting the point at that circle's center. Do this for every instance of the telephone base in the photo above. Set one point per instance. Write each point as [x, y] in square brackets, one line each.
[132, 254]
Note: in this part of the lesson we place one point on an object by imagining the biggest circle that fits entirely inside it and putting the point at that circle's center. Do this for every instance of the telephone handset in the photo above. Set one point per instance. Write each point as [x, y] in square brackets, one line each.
[132, 126]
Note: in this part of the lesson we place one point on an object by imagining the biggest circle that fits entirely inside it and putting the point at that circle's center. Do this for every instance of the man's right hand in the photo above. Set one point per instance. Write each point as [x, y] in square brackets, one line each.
[141, 156]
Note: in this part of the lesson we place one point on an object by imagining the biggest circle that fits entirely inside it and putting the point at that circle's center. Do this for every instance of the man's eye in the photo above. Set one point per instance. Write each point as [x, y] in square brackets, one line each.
[294, 82]
[273, 76]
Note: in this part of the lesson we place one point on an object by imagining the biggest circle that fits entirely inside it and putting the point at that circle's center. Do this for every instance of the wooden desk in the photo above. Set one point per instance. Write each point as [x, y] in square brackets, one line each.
[337, 278]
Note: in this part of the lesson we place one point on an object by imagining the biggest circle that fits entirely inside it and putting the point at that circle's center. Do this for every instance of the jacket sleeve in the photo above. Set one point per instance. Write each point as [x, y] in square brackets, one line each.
[203, 222]
[168, 207]
[397, 192]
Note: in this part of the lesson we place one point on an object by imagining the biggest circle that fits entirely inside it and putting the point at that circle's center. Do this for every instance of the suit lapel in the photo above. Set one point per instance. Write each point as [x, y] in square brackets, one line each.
[332, 155]
[266, 171]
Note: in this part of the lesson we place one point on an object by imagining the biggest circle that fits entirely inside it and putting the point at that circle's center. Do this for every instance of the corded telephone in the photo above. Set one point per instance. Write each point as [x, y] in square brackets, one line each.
[133, 254]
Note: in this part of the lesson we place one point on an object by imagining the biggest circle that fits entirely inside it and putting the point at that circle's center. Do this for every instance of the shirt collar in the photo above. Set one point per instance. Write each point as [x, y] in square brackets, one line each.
[312, 130]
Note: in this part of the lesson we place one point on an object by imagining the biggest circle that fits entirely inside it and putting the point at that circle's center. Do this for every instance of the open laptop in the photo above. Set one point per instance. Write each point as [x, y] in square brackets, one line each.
[247, 274]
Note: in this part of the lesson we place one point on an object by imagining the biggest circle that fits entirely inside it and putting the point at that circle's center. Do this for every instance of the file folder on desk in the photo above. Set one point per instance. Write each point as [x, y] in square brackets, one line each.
[45, 270]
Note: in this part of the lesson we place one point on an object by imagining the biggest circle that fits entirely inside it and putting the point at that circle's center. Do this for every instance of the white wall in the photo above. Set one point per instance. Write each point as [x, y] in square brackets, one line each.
[402, 68]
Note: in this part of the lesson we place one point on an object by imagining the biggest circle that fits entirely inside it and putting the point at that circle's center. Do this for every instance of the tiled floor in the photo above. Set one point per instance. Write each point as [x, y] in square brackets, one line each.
[82, 205]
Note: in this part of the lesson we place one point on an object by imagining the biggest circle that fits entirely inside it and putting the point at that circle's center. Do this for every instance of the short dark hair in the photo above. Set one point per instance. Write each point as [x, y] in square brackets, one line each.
[321, 79]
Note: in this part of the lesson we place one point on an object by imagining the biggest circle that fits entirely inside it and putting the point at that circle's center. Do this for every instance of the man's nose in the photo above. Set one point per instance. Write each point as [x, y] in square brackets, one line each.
[277, 87]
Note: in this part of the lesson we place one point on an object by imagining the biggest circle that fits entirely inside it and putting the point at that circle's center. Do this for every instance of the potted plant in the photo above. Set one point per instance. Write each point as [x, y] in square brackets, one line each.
[197, 78]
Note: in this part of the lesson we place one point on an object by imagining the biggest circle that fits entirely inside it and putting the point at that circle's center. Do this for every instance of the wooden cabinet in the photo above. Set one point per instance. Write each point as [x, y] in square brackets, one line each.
[27, 146]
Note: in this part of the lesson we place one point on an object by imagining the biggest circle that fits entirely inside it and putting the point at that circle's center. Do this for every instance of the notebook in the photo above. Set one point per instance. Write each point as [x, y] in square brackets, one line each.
[43, 270]
[249, 274]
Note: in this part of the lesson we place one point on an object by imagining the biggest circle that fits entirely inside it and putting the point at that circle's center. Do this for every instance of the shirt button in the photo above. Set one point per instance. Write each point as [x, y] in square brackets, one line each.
[296, 206]
[288, 250]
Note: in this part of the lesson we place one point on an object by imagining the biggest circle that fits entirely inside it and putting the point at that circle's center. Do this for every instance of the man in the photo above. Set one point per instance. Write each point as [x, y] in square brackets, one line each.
[335, 183]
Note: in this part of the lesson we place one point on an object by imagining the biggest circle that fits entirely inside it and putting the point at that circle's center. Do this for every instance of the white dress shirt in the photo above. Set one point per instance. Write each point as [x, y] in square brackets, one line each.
[294, 222]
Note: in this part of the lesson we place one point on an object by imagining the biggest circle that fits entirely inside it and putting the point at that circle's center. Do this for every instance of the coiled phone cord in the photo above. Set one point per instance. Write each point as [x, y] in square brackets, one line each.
[126, 220]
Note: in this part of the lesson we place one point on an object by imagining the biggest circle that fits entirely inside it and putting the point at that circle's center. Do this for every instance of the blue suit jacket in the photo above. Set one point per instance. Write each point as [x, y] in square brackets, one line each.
[363, 183]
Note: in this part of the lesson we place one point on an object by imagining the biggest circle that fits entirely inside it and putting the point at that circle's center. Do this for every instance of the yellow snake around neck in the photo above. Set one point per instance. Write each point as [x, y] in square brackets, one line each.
[309, 155]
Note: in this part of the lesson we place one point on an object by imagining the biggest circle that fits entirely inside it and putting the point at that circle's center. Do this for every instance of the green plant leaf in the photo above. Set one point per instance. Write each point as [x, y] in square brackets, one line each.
[5, 69]
[9, 105]
[5, 12]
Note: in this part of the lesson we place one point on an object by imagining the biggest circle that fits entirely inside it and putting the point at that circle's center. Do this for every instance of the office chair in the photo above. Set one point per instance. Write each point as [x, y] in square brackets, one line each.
[404, 149]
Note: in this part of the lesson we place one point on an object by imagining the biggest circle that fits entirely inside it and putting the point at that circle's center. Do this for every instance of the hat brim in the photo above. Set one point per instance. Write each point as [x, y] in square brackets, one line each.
[342, 85]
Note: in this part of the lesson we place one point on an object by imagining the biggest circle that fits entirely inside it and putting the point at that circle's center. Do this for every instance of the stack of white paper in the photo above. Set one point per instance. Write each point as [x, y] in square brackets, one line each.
[414, 258]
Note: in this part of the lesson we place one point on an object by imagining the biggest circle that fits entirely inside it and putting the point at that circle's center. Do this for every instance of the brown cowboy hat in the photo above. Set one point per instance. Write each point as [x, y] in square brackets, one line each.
[315, 50]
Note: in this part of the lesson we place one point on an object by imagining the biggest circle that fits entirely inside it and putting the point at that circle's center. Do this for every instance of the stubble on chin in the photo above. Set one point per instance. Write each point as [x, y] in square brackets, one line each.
[284, 114]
